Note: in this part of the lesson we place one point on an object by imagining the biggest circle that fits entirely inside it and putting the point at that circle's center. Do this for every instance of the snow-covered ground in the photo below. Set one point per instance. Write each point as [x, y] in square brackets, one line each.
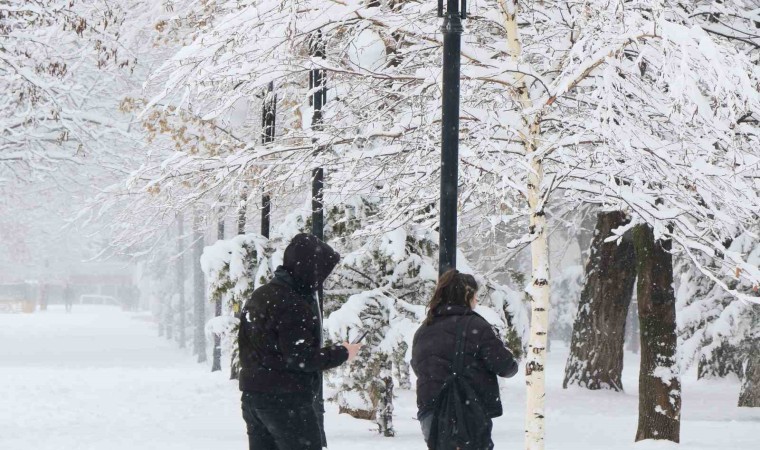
[101, 379]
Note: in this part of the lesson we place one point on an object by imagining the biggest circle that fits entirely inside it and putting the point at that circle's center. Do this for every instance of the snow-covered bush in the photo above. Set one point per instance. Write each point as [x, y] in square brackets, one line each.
[234, 268]
[388, 283]
[715, 331]
[365, 387]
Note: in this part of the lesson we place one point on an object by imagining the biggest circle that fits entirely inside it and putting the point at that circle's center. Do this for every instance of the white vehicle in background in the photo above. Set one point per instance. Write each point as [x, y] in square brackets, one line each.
[92, 299]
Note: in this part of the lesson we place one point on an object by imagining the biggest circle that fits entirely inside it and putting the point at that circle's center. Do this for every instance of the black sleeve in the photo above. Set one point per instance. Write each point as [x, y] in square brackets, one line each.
[298, 348]
[492, 351]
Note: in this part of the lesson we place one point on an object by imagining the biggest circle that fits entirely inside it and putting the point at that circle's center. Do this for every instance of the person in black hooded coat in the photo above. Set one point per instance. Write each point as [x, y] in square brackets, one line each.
[281, 352]
[485, 355]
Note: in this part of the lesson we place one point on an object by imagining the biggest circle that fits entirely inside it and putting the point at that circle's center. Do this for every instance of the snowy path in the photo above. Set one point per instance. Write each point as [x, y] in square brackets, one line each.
[100, 379]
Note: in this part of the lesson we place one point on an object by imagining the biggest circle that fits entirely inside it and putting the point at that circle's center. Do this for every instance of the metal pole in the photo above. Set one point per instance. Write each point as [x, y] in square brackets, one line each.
[268, 123]
[452, 42]
[266, 210]
[317, 203]
[318, 99]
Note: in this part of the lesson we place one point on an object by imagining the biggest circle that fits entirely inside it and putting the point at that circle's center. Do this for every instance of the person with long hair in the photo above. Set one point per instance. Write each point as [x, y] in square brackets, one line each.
[433, 355]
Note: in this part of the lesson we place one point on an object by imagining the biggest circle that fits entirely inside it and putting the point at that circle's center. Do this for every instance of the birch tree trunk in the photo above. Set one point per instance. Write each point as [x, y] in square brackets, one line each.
[539, 323]
[199, 292]
[659, 381]
[749, 396]
[596, 349]
[539, 289]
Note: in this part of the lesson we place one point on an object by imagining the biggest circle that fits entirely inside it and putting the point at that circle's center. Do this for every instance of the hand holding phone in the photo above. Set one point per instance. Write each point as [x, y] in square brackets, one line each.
[354, 346]
[360, 338]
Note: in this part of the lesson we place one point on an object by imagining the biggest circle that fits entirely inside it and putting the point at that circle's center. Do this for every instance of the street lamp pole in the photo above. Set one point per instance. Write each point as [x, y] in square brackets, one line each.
[268, 122]
[452, 43]
[318, 99]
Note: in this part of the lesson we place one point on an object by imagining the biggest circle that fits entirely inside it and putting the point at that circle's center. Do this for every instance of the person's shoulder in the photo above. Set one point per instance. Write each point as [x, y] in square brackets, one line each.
[422, 328]
[479, 320]
[480, 325]
[270, 294]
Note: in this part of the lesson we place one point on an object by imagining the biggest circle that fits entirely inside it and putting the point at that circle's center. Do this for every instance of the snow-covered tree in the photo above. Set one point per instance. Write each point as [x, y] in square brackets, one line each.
[234, 268]
[718, 334]
[639, 108]
[59, 61]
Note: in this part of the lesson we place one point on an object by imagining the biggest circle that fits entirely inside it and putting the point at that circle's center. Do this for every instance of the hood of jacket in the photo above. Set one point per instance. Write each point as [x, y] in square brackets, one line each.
[309, 260]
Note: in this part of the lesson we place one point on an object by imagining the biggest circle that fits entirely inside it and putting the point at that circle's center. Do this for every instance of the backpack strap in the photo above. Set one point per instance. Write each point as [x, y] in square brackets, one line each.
[463, 325]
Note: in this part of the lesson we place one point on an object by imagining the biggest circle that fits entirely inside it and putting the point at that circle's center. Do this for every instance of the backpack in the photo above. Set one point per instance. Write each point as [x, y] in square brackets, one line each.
[459, 420]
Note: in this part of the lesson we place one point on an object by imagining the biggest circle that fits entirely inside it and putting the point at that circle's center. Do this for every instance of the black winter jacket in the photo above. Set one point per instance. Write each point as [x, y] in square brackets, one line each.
[485, 358]
[281, 327]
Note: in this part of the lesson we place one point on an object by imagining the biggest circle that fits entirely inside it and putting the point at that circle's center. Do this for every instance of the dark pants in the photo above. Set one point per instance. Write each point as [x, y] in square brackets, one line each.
[426, 422]
[281, 422]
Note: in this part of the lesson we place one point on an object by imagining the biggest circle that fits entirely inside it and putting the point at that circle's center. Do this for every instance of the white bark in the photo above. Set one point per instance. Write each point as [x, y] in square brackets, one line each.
[539, 323]
[539, 285]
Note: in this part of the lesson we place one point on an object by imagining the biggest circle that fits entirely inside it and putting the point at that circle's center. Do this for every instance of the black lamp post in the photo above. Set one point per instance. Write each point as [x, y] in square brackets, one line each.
[452, 43]
[268, 121]
[318, 99]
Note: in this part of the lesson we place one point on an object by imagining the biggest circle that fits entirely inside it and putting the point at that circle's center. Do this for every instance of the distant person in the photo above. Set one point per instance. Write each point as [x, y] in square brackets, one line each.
[282, 353]
[433, 354]
[68, 297]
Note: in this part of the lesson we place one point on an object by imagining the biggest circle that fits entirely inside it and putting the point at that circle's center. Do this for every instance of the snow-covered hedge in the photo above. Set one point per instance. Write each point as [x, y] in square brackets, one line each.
[383, 284]
[234, 268]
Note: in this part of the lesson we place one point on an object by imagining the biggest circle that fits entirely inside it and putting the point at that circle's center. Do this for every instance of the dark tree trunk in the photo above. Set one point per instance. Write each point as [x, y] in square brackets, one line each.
[596, 349]
[216, 364]
[659, 382]
[385, 406]
[181, 336]
[242, 212]
[199, 292]
[236, 307]
[749, 395]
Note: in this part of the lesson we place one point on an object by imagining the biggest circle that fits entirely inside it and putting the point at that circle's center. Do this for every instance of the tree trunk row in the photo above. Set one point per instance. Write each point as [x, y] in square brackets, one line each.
[596, 351]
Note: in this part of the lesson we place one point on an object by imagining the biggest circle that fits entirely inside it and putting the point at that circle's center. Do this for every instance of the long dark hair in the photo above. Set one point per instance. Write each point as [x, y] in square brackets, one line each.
[454, 288]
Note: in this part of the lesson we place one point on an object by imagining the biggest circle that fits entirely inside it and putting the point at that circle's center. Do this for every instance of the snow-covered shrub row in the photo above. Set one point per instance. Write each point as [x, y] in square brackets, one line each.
[233, 269]
[714, 330]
